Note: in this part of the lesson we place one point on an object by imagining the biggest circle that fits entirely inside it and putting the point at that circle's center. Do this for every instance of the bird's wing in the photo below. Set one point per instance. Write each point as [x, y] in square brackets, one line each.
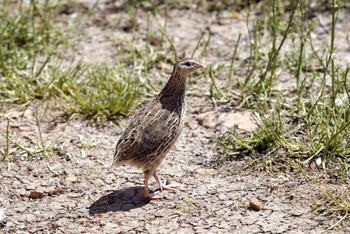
[152, 130]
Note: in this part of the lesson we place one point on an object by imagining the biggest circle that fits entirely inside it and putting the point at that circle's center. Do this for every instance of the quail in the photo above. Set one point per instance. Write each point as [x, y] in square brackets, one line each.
[156, 127]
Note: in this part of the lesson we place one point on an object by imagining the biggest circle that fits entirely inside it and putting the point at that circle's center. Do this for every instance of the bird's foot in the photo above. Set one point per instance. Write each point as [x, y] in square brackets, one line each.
[170, 187]
[164, 186]
[152, 196]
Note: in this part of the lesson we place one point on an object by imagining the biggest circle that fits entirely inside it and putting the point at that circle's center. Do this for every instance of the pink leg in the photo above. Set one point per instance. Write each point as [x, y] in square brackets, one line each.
[162, 185]
[146, 193]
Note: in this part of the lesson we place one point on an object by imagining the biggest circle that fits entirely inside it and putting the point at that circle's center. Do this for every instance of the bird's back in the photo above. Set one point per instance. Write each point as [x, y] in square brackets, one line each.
[151, 133]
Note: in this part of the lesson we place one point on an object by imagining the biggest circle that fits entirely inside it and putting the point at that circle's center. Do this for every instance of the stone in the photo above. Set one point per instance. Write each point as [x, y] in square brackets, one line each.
[207, 172]
[225, 120]
[256, 204]
[35, 194]
[71, 178]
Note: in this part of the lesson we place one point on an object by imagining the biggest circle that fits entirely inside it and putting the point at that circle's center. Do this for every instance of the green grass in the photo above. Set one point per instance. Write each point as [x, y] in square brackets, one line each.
[299, 127]
[33, 71]
[26, 31]
[32, 67]
[314, 122]
[14, 149]
[106, 91]
[335, 204]
[29, 40]
[308, 124]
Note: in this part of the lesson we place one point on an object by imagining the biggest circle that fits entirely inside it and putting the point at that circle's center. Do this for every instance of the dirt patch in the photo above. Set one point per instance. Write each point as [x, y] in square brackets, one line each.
[77, 190]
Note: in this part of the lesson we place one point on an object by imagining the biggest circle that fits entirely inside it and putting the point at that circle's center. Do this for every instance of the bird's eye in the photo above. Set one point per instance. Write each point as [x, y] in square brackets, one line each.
[187, 64]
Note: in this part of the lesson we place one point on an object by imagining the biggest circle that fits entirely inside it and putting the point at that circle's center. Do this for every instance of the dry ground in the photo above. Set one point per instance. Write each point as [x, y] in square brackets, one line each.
[76, 191]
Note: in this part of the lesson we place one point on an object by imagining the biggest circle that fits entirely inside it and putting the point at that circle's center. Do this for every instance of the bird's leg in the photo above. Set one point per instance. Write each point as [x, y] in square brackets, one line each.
[145, 192]
[162, 185]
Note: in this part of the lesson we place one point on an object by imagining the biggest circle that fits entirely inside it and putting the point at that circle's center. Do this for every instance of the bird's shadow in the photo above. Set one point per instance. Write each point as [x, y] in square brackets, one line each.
[120, 200]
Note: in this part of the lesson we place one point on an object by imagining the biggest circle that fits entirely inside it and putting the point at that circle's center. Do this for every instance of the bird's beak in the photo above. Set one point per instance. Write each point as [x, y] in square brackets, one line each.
[199, 65]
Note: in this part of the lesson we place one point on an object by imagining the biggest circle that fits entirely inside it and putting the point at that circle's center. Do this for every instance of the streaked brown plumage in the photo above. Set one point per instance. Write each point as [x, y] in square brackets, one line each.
[156, 127]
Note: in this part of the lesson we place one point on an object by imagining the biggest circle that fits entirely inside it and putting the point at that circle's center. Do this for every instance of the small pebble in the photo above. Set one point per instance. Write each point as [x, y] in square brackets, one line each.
[35, 194]
[256, 204]
[30, 168]
[207, 172]
[72, 178]
[320, 219]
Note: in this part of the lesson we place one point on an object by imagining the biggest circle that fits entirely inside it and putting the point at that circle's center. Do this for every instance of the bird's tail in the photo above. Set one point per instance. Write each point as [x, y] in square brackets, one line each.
[116, 159]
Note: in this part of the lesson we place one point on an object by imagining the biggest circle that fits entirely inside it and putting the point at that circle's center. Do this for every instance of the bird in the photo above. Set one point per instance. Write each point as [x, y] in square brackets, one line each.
[156, 127]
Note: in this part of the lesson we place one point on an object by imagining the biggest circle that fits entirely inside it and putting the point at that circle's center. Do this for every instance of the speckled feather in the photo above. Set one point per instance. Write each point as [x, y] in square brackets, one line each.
[155, 129]
[151, 134]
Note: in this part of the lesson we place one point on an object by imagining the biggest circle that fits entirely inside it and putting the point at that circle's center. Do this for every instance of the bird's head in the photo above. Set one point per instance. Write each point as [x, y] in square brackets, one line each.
[185, 66]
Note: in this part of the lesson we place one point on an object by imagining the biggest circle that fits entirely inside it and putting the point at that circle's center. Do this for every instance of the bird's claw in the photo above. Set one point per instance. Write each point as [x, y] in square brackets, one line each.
[152, 196]
[170, 187]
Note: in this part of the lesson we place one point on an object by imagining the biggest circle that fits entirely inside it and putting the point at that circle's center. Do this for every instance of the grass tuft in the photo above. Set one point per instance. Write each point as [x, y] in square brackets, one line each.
[337, 203]
[312, 125]
[107, 91]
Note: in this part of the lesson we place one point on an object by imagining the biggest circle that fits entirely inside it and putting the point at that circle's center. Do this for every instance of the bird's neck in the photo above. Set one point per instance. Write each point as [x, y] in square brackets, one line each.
[174, 90]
